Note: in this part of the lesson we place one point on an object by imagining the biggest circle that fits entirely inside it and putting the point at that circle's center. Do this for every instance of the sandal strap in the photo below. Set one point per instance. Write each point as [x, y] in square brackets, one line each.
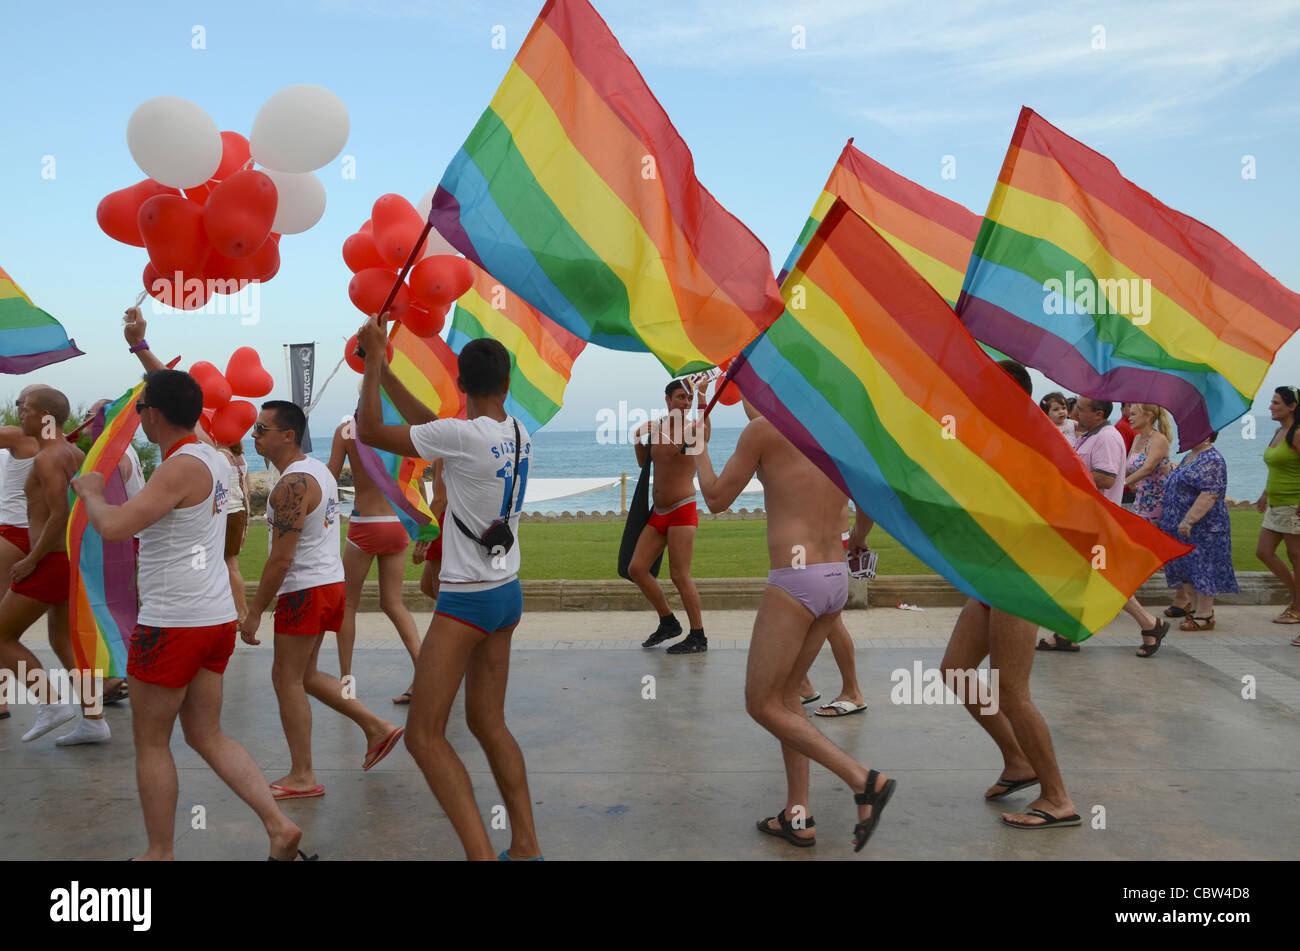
[868, 796]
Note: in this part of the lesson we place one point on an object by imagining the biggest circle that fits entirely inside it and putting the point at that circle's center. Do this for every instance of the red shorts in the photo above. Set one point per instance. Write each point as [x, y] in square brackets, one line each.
[377, 535]
[434, 552]
[684, 514]
[16, 535]
[171, 656]
[311, 611]
[50, 583]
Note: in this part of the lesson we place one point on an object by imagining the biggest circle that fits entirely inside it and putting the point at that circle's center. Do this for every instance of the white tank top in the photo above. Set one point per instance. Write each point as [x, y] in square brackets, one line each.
[316, 560]
[135, 483]
[13, 483]
[182, 570]
[237, 502]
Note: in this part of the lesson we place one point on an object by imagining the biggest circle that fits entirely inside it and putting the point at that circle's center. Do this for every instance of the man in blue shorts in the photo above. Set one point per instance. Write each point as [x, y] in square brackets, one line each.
[485, 468]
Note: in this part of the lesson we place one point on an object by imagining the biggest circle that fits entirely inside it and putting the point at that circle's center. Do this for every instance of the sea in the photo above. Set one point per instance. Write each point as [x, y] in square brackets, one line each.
[561, 454]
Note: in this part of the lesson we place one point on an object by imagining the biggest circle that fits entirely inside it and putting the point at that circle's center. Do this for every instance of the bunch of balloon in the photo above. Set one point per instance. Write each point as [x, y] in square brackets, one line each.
[210, 221]
[393, 243]
[225, 419]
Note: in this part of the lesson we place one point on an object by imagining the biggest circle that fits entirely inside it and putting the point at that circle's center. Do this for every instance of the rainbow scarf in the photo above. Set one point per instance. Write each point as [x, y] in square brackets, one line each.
[426, 367]
[102, 602]
[876, 382]
[932, 233]
[541, 351]
[1088, 278]
[29, 337]
[575, 191]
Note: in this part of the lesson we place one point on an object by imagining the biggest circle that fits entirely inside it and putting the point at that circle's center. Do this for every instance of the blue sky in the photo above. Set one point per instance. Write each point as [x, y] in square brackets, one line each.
[1179, 94]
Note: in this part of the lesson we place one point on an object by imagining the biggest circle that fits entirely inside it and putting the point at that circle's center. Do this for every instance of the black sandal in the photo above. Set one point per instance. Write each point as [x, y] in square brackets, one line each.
[787, 830]
[1175, 611]
[301, 855]
[877, 801]
[1158, 632]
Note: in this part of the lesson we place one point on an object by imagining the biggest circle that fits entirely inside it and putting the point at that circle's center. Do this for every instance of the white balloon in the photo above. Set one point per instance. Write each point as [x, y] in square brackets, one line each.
[174, 141]
[301, 201]
[299, 129]
[435, 244]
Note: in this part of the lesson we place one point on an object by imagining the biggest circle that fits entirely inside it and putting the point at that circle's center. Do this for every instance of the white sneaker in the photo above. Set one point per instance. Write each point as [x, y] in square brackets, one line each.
[49, 717]
[87, 731]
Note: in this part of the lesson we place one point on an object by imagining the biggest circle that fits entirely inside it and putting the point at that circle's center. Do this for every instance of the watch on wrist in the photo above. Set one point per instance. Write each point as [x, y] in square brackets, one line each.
[142, 345]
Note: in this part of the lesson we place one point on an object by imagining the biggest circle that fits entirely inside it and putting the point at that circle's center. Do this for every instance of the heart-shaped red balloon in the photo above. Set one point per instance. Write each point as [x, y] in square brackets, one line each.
[232, 422]
[118, 213]
[176, 289]
[173, 233]
[369, 289]
[239, 213]
[359, 253]
[441, 279]
[397, 226]
[354, 361]
[246, 375]
[215, 387]
[424, 322]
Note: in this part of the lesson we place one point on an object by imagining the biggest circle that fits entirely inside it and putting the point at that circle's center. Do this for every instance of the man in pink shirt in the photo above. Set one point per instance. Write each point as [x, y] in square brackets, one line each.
[1101, 447]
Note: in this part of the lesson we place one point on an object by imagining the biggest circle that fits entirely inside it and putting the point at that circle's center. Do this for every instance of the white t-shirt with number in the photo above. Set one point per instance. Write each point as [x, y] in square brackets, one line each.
[478, 469]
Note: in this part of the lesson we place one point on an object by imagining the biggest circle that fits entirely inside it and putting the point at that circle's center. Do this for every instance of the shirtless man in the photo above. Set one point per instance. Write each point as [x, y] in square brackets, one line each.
[373, 532]
[1017, 727]
[40, 581]
[673, 522]
[186, 628]
[304, 573]
[806, 590]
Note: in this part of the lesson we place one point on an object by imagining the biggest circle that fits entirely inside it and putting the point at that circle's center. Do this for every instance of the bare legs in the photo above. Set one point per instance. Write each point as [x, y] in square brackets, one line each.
[1266, 551]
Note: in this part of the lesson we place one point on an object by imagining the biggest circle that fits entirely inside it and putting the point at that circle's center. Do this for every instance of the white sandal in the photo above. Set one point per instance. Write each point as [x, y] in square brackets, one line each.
[843, 708]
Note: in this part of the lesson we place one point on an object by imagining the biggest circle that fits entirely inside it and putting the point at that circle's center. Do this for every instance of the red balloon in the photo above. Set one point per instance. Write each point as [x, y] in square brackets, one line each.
[239, 213]
[200, 193]
[245, 373]
[215, 387]
[205, 421]
[118, 214]
[173, 234]
[370, 288]
[367, 227]
[424, 322]
[354, 361]
[261, 265]
[232, 422]
[441, 279]
[359, 253]
[176, 289]
[397, 227]
[730, 395]
[235, 156]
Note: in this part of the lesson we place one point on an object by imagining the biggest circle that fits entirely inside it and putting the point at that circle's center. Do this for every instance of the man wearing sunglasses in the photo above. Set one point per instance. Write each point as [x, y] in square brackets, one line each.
[185, 632]
[304, 574]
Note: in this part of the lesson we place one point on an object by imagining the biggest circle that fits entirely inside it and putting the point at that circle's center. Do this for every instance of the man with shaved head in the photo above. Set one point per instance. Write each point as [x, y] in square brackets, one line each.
[39, 582]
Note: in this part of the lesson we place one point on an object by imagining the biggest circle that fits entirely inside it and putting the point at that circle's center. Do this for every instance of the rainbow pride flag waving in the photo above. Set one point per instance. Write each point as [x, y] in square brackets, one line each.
[875, 380]
[1084, 276]
[102, 602]
[541, 351]
[575, 191]
[427, 368]
[29, 337]
[933, 234]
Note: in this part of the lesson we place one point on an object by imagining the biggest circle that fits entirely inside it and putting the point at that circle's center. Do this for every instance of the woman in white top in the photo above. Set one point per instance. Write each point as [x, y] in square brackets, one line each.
[236, 520]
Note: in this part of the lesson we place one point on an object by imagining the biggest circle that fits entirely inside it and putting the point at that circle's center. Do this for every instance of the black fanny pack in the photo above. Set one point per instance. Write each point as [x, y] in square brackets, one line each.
[498, 534]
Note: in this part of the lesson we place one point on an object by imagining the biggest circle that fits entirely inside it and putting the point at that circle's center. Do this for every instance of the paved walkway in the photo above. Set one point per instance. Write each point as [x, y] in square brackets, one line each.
[1164, 757]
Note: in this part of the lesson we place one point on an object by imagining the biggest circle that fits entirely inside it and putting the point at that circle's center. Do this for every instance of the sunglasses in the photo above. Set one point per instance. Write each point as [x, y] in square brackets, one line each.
[260, 428]
[140, 407]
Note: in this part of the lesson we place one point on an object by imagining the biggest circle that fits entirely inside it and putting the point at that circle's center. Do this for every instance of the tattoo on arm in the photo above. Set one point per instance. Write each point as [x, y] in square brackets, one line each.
[289, 502]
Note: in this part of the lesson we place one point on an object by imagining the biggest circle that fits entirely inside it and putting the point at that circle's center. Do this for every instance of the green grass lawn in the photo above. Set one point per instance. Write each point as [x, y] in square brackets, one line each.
[589, 550]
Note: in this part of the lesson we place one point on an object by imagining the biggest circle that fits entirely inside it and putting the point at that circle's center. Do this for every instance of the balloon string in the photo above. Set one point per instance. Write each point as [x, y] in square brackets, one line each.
[321, 391]
[139, 298]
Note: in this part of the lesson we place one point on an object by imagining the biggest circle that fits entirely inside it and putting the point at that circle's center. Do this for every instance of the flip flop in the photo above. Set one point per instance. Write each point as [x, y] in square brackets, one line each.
[842, 708]
[786, 830]
[382, 748]
[1049, 821]
[404, 699]
[284, 792]
[1287, 617]
[301, 855]
[1296, 641]
[505, 857]
[5, 715]
[1010, 786]
[813, 699]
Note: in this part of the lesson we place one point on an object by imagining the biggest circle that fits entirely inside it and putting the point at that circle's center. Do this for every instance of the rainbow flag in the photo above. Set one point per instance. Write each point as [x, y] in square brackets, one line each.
[102, 602]
[932, 233]
[541, 351]
[29, 337]
[876, 382]
[1088, 278]
[575, 191]
[427, 367]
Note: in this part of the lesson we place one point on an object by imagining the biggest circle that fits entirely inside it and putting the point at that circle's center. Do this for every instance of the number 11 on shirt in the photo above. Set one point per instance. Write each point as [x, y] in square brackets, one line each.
[504, 473]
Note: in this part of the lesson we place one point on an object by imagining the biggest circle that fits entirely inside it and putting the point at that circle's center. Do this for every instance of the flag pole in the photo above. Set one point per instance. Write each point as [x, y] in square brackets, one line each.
[401, 278]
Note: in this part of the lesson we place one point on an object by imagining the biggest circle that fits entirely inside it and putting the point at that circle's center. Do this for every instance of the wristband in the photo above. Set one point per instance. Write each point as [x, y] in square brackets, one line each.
[142, 345]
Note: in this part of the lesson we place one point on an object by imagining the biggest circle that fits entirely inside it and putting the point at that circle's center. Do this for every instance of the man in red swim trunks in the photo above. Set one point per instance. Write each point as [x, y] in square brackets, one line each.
[15, 465]
[673, 521]
[304, 574]
[39, 581]
[185, 631]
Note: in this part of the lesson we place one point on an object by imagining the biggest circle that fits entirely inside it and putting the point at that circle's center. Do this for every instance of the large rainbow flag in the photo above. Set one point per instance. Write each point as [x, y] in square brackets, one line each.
[1081, 274]
[575, 191]
[29, 337]
[878, 384]
[427, 368]
[102, 602]
[541, 351]
[933, 234]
